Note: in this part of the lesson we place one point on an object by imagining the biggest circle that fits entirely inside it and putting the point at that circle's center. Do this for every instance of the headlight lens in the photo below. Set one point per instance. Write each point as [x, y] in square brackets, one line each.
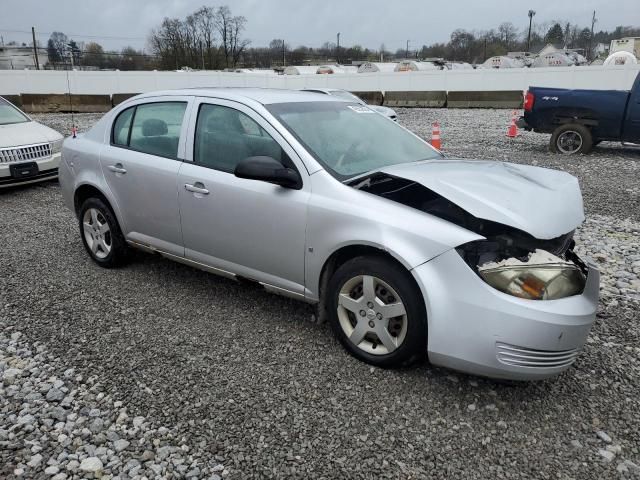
[56, 146]
[536, 282]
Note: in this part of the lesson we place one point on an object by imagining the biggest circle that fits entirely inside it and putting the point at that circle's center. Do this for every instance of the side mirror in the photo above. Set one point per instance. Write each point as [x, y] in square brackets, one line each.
[270, 170]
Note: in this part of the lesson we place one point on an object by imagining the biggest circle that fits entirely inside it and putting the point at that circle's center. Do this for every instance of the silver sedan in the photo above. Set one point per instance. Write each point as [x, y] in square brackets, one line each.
[406, 253]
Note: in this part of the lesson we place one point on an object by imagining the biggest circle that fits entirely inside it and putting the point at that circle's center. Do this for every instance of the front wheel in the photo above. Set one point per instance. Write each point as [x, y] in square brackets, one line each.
[570, 139]
[377, 312]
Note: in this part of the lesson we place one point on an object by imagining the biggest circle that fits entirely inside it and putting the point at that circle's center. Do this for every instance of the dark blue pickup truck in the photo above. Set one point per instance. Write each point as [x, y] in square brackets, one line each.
[580, 119]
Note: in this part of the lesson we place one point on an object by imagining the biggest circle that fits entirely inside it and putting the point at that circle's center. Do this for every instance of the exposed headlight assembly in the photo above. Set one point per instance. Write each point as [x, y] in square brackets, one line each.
[56, 146]
[536, 282]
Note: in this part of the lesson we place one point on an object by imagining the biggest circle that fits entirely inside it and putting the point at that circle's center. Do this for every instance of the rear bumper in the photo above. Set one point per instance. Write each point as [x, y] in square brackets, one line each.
[47, 170]
[477, 329]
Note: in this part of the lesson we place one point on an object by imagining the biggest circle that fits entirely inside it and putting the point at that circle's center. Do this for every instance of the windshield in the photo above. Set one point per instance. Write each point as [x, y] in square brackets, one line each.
[349, 139]
[10, 114]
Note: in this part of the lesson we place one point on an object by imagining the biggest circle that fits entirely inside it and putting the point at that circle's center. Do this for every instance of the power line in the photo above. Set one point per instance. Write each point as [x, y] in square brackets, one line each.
[77, 35]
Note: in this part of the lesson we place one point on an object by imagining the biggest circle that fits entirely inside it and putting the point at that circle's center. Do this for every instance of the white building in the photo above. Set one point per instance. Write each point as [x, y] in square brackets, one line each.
[14, 57]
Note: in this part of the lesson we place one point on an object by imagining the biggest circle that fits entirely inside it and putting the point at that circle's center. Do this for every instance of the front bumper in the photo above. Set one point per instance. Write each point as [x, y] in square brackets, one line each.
[47, 170]
[477, 329]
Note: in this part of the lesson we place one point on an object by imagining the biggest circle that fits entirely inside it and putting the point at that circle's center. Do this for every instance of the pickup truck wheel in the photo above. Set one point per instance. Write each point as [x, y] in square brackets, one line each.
[570, 139]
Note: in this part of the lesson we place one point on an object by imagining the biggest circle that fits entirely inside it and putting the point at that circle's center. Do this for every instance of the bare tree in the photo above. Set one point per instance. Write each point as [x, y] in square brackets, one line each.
[230, 28]
[507, 32]
[57, 47]
[205, 20]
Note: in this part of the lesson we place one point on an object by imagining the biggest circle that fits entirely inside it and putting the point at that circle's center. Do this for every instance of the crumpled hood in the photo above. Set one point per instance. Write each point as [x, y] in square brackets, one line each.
[542, 202]
[26, 133]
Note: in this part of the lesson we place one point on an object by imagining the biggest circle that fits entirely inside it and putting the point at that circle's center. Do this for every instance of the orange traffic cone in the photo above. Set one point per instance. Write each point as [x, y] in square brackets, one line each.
[435, 136]
[512, 131]
[74, 131]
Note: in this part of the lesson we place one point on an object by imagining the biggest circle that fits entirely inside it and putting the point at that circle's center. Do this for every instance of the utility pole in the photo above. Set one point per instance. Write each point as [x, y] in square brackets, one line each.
[338, 49]
[593, 22]
[485, 48]
[70, 46]
[284, 53]
[202, 54]
[406, 53]
[35, 47]
[531, 14]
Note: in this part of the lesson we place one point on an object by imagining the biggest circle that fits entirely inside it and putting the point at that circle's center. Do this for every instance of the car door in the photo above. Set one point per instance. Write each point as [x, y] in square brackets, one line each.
[251, 228]
[141, 166]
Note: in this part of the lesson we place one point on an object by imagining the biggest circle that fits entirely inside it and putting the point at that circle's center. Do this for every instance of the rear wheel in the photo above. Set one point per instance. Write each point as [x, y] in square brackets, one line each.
[377, 312]
[101, 234]
[570, 139]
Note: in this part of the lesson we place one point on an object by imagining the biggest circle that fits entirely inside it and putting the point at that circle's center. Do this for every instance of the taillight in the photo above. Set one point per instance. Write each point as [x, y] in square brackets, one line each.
[529, 98]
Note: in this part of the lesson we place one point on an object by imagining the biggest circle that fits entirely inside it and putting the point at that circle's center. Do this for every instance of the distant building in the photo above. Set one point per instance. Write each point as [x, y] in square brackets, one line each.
[550, 48]
[601, 50]
[15, 57]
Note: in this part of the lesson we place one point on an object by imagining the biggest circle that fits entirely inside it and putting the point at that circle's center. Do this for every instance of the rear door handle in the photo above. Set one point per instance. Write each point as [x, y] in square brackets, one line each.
[117, 168]
[197, 187]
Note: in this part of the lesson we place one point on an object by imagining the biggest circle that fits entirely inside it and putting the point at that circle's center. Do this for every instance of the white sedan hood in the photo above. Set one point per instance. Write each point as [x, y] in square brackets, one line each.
[542, 202]
[26, 133]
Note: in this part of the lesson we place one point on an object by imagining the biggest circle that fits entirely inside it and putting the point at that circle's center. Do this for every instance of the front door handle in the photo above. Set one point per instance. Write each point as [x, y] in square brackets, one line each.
[197, 187]
[117, 168]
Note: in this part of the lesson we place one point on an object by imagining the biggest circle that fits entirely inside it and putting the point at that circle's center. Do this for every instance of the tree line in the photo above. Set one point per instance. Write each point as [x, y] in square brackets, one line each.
[213, 38]
[62, 52]
[477, 46]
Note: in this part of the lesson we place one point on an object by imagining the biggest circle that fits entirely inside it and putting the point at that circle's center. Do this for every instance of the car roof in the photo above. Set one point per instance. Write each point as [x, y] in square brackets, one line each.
[322, 90]
[265, 96]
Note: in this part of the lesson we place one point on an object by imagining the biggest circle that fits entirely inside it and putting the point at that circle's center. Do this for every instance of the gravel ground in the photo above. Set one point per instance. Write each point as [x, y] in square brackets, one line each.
[244, 385]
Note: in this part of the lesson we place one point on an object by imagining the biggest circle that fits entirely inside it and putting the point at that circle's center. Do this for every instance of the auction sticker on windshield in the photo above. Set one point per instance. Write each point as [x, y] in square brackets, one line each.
[360, 109]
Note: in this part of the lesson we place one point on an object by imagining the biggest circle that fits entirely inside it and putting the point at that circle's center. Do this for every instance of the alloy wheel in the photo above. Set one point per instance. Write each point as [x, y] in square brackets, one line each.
[569, 142]
[372, 315]
[97, 233]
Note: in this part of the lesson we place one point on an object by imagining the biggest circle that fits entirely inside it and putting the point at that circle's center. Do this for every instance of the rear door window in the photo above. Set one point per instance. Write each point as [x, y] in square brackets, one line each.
[152, 128]
[122, 126]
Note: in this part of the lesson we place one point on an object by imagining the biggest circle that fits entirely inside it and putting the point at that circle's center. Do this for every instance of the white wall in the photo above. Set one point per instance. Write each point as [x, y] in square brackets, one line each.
[13, 82]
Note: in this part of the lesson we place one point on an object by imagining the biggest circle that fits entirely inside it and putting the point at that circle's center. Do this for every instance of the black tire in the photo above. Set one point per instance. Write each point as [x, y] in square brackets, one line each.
[414, 345]
[119, 253]
[582, 133]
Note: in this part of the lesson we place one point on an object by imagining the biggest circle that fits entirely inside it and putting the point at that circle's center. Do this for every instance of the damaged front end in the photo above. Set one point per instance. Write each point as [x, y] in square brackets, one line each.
[539, 275]
[508, 259]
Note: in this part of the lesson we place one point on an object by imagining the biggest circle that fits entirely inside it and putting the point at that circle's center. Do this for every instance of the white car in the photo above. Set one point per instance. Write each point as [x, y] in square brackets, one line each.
[336, 92]
[29, 151]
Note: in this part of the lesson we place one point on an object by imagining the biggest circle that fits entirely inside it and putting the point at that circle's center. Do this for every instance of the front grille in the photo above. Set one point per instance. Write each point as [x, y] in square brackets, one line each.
[526, 357]
[25, 153]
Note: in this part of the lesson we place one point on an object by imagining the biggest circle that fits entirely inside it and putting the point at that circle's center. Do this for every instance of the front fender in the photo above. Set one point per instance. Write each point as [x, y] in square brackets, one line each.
[341, 216]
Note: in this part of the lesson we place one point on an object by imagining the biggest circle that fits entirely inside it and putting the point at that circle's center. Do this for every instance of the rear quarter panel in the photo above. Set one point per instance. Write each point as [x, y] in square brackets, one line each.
[81, 166]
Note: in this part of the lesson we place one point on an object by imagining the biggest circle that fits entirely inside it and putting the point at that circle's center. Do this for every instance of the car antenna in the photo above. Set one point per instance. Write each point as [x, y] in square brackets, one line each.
[73, 123]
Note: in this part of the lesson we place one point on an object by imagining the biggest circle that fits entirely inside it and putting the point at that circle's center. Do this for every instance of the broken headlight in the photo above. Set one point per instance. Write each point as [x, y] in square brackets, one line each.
[536, 282]
[517, 269]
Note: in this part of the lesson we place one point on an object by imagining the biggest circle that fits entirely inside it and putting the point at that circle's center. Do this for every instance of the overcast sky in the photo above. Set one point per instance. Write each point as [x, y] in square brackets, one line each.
[116, 23]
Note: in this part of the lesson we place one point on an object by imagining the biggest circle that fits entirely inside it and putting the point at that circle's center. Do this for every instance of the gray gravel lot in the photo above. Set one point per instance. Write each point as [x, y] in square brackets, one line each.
[253, 388]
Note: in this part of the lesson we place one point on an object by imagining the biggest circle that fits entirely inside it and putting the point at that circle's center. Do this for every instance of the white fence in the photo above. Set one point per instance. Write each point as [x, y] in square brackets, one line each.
[13, 82]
